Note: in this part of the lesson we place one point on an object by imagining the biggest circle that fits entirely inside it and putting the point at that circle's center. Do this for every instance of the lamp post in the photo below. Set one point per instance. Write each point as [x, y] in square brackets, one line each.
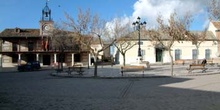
[137, 26]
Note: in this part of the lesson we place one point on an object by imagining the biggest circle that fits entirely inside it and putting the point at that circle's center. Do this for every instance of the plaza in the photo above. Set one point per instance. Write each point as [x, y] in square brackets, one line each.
[39, 90]
[161, 54]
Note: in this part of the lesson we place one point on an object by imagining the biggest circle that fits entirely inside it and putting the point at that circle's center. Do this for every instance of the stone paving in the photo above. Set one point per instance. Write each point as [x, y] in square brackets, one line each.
[38, 90]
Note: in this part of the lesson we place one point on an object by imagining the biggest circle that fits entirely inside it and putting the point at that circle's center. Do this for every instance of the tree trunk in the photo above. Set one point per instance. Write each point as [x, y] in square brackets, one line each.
[61, 60]
[96, 66]
[171, 64]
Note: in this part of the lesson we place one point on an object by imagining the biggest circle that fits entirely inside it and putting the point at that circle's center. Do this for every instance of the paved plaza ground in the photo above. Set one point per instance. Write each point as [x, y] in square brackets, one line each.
[38, 90]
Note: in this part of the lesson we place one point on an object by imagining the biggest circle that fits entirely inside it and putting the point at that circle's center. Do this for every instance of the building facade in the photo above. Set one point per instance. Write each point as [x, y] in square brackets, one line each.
[19, 46]
[208, 49]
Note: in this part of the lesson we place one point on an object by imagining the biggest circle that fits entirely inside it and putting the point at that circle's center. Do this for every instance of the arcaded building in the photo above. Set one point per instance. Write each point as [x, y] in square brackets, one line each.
[23, 45]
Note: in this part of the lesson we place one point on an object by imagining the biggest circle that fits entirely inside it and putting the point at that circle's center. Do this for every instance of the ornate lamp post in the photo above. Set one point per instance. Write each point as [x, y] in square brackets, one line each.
[137, 26]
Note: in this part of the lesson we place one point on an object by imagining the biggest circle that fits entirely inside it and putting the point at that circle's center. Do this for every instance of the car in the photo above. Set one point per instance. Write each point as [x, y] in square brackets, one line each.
[29, 66]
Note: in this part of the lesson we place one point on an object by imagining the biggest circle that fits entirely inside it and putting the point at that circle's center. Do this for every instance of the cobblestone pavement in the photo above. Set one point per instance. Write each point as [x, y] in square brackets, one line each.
[39, 90]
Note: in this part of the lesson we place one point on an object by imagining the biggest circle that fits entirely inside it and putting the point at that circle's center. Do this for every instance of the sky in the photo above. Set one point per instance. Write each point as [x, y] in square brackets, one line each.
[27, 13]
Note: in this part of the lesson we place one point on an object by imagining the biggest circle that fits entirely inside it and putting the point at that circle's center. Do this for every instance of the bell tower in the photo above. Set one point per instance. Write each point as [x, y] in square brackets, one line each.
[46, 22]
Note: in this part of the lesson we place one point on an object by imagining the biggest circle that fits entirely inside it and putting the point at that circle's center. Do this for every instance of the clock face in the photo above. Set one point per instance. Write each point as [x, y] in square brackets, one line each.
[46, 27]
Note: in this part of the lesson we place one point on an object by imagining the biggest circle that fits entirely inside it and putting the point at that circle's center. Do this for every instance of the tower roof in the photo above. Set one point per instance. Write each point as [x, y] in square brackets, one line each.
[46, 13]
[46, 8]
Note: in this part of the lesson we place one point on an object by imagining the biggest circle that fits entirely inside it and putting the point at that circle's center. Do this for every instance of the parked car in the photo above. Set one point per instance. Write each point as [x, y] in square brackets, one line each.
[29, 66]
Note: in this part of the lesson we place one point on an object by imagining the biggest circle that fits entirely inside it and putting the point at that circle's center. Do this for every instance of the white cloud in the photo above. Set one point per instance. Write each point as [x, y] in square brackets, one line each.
[149, 9]
[123, 20]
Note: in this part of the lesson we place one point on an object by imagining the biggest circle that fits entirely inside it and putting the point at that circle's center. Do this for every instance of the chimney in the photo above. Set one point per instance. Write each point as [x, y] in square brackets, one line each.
[17, 30]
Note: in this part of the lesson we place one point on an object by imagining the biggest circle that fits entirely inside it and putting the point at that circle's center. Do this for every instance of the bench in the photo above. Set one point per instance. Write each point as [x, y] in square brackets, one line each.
[189, 61]
[179, 62]
[210, 62]
[77, 68]
[104, 63]
[131, 69]
[196, 67]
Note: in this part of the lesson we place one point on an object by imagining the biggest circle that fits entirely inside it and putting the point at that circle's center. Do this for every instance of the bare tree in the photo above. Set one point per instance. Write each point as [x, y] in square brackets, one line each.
[213, 9]
[89, 29]
[62, 40]
[122, 33]
[169, 33]
[196, 38]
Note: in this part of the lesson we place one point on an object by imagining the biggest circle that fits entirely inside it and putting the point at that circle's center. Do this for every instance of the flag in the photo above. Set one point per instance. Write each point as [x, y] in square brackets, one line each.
[42, 42]
[46, 44]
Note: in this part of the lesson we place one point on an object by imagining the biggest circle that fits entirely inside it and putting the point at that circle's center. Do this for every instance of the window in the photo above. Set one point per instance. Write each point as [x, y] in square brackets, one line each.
[30, 46]
[177, 54]
[194, 54]
[112, 49]
[15, 48]
[143, 54]
[207, 53]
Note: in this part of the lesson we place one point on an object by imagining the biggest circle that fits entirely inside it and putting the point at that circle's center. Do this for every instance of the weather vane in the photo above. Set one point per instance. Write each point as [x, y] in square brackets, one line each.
[47, 2]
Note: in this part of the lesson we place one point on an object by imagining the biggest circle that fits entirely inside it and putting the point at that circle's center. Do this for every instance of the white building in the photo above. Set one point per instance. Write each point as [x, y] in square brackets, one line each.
[181, 50]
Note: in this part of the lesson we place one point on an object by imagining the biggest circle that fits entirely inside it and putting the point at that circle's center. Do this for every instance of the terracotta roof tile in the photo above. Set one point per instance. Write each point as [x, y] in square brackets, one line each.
[216, 24]
[17, 32]
[209, 35]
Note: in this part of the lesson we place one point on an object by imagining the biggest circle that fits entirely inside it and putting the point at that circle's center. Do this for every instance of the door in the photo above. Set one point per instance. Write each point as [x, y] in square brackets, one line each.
[159, 53]
[77, 58]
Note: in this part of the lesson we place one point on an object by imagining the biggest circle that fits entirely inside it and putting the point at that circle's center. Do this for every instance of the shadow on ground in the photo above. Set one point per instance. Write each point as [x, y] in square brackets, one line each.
[42, 92]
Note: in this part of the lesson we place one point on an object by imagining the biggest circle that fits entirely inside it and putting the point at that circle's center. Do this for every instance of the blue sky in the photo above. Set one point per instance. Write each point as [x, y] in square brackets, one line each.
[27, 13]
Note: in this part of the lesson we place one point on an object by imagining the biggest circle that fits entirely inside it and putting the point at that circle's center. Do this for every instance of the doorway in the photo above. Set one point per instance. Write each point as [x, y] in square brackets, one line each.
[31, 57]
[77, 58]
[159, 54]
[46, 59]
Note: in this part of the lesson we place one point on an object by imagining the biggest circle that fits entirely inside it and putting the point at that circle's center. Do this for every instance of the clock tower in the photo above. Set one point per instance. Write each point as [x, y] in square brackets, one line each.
[46, 22]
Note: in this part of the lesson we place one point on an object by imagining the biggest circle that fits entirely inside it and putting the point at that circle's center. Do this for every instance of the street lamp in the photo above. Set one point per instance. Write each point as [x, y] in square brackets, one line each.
[138, 25]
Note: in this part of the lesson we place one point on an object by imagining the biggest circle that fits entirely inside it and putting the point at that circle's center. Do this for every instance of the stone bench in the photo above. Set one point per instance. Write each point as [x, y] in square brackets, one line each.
[78, 67]
[132, 68]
